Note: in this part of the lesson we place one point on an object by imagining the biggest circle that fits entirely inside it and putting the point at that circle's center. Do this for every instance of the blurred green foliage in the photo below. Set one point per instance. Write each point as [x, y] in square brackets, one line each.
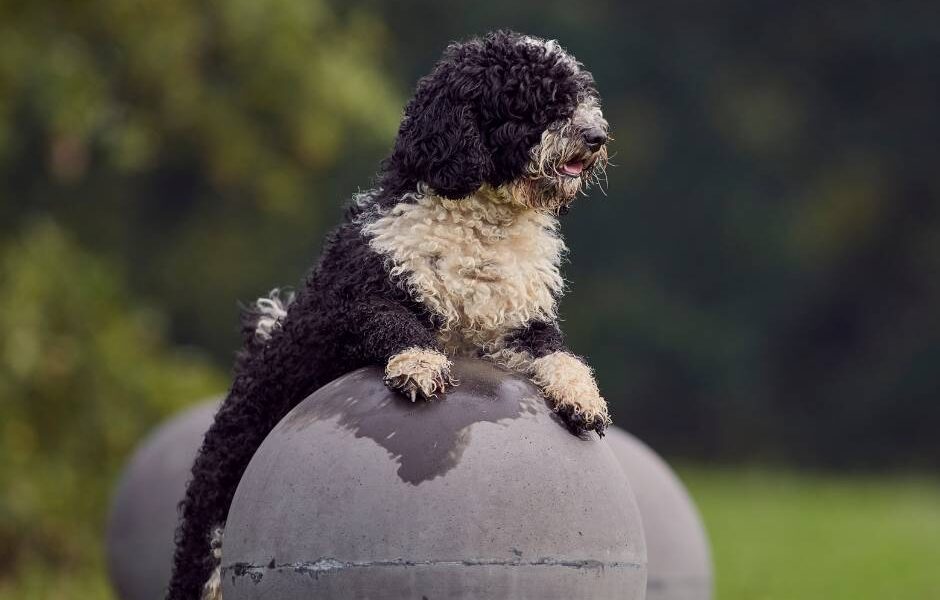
[188, 140]
[83, 377]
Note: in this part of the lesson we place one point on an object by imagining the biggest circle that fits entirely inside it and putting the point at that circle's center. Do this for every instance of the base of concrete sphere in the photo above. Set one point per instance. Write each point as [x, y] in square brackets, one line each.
[143, 518]
[359, 493]
[679, 560]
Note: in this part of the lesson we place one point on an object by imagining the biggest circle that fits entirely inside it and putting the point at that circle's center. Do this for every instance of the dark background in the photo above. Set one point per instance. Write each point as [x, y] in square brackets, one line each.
[761, 280]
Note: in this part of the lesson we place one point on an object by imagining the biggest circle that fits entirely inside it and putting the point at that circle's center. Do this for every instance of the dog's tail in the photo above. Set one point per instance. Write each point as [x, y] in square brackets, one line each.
[264, 316]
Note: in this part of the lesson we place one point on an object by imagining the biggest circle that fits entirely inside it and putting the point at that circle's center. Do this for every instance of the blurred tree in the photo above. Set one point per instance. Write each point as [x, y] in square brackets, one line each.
[83, 376]
[188, 141]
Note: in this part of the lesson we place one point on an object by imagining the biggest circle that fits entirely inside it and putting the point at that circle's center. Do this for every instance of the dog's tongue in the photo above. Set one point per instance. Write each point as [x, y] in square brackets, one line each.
[573, 168]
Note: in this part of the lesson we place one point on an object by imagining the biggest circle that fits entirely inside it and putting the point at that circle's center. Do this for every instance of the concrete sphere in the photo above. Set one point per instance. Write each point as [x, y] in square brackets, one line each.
[143, 517]
[679, 566]
[359, 493]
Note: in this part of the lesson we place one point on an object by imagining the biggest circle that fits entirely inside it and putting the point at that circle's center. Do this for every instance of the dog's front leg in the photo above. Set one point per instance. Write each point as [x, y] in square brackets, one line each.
[569, 383]
[414, 363]
[538, 351]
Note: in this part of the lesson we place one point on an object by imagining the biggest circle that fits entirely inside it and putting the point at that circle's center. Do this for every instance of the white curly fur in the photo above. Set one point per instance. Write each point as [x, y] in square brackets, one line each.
[271, 310]
[212, 590]
[419, 370]
[569, 382]
[565, 379]
[485, 264]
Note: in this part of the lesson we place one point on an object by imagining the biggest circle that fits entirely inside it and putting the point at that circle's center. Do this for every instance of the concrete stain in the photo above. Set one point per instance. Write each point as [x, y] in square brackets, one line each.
[426, 439]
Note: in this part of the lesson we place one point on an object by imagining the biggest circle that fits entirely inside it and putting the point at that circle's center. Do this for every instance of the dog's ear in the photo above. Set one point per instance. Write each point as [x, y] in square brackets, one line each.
[439, 143]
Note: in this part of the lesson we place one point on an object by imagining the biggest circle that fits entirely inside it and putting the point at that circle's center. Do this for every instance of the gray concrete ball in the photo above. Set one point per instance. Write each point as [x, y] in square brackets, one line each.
[679, 566]
[481, 493]
[142, 519]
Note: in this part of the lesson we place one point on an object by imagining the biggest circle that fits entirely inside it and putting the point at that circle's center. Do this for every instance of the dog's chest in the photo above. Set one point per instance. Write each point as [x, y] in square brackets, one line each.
[483, 269]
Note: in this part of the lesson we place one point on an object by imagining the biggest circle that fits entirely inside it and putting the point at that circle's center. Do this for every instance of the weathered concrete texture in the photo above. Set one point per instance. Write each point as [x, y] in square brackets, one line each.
[142, 521]
[359, 493]
[679, 565]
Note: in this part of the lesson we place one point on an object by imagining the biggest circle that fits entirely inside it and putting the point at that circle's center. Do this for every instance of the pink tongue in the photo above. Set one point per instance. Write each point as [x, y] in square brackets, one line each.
[573, 168]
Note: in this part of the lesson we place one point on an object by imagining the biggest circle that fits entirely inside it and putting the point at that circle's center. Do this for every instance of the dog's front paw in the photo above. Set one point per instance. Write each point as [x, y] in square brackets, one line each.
[572, 391]
[418, 373]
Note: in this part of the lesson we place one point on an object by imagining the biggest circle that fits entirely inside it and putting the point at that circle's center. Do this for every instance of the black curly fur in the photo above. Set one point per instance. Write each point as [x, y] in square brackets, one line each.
[538, 339]
[475, 117]
[473, 120]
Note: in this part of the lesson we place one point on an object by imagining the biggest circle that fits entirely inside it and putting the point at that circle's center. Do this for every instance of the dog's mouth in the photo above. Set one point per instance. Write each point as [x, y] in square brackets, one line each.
[573, 168]
[555, 179]
[578, 166]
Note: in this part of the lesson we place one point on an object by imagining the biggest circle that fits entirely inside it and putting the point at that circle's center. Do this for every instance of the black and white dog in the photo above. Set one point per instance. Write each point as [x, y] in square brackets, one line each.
[456, 252]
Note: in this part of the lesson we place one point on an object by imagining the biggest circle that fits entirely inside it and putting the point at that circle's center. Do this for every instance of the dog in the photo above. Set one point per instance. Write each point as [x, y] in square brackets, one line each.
[455, 252]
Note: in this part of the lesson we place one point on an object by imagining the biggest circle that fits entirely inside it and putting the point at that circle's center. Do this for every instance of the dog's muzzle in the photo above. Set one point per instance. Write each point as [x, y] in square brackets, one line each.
[594, 138]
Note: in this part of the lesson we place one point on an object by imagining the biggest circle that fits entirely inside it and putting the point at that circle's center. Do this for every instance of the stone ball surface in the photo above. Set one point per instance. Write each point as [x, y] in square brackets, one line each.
[360, 493]
[679, 560]
[143, 517]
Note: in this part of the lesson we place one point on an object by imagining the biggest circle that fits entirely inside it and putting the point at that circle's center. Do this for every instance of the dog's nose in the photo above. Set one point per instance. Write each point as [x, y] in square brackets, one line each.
[594, 138]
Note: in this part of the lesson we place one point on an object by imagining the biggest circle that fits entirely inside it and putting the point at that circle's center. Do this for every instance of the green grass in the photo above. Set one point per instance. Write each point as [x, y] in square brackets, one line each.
[781, 536]
[775, 536]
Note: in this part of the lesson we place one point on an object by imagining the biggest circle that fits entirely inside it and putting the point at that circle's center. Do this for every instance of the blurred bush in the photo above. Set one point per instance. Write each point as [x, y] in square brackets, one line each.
[187, 140]
[83, 376]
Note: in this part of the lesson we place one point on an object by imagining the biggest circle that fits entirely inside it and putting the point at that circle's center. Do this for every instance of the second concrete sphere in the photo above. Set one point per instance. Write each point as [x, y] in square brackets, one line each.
[679, 561]
[143, 518]
[358, 493]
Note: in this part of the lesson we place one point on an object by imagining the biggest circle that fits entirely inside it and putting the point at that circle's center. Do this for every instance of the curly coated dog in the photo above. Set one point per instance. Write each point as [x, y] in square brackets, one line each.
[455, 252]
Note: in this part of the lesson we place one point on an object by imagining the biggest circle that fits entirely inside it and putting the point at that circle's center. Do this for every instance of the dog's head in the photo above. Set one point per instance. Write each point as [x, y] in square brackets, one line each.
[507, 111]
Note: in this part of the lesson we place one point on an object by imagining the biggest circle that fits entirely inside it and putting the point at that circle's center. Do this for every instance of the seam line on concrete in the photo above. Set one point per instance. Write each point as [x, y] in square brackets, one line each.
[332, 564]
